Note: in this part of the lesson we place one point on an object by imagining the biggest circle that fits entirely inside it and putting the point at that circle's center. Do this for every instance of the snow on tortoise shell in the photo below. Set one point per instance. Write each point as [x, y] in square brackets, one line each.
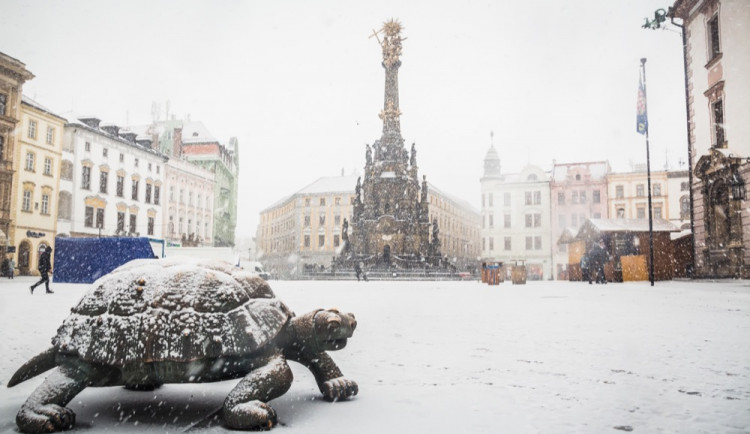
[172, 310]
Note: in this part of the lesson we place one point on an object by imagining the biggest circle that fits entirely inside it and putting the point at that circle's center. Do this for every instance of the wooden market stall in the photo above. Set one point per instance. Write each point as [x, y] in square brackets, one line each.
[627, 245]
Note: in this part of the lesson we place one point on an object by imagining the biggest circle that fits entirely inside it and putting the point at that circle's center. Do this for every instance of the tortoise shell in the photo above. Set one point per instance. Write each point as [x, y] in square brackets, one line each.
[178, 310]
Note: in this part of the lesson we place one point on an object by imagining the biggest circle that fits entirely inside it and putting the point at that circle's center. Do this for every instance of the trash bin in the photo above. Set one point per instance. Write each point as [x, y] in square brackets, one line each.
[518, 274]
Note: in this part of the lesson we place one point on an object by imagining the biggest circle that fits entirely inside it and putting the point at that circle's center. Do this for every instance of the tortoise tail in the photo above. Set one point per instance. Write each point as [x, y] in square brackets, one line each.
[40, 363]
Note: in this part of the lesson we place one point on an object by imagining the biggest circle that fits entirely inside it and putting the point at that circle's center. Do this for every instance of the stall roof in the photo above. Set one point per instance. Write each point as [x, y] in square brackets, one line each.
[625, 225]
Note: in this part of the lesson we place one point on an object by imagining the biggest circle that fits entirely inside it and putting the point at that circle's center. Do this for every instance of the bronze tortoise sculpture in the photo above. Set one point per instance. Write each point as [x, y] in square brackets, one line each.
[156, 321]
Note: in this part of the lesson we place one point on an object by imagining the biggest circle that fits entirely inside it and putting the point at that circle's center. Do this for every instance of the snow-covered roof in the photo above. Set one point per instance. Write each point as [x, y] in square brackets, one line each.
[196, 132]
[331, 184]
[631, 225]
[26, 100]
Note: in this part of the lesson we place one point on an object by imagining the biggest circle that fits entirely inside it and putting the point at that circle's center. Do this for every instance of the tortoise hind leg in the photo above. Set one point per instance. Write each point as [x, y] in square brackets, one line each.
[45, 409]
[246, 405]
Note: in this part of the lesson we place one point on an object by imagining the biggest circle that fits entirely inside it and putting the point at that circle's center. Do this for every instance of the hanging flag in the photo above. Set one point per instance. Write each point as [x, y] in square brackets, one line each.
[642, 118]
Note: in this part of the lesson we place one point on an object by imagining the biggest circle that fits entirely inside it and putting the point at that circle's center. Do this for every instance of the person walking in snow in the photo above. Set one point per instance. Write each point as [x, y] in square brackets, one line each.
[11, 268]
[44, 267]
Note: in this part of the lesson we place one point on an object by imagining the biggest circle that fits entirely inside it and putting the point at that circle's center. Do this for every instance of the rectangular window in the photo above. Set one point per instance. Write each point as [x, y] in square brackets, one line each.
[88, 219]
[307, 220]
[718, 109]
[135, 162]
[134, 190]
[105, 151]
[150, 225]
[120, 186]
[489, 200]
[529, 220]
[537, 220]
[337, 220]
[537, 243]
[640, 190]
[507, 245]
[322, 201]
[337, 201]
[103, 178]
[47, 166]
[492, 243]
[528, 198]
[492, 221]
[32, 129]
[50, 135]
[30, 161]
[148, 193]
[619, 192]
[713, 34]
[657, 212]
[156, 194]
[683, 186]
[483, 203]
[583, 197]
[121, 221]
[641, 212]
[26, 206]
[561, 198]
[307, 201]
[506, 221]
[321, 240]
[597, 196]
[87, 146]
[506, 199]
[86, 178]
[620, 213]
[122, 157]
[45, 204]
[307, 240]
[537, 198]
[322, 220]
[132, 223]
[100, 218]
[657, 190]
[3, 103]
[336, 240]
[529, 243]
[574, 197]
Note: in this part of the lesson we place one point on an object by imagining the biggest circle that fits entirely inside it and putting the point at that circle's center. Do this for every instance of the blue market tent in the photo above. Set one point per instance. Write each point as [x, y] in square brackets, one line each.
[83, 260]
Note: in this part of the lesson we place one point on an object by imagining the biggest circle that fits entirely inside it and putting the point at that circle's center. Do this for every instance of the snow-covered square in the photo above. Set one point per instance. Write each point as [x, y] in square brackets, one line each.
[558, 357]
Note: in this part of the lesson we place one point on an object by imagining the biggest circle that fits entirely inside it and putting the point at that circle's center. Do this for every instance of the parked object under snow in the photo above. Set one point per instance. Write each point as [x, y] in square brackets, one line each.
[151, 322]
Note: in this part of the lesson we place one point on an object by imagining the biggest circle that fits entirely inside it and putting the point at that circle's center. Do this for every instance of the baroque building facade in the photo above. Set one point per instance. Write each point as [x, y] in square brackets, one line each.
[35, 197]
[628, 196]
[717, 60]
[516, 217]
[110, 183]
[13, 74]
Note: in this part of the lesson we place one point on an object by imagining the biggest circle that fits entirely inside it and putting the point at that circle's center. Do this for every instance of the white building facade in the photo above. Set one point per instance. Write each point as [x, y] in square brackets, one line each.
[516, 217]
[110, 185]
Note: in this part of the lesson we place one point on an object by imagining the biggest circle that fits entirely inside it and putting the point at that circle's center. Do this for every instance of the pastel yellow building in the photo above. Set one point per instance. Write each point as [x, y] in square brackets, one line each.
[36, 181]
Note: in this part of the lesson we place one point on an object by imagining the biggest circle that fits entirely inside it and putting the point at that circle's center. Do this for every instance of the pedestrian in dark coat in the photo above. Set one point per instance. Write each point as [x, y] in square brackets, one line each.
[44, 266]
[597, 259]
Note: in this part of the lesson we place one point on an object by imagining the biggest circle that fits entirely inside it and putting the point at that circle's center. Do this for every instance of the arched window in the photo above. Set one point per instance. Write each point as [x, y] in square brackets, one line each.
[685, 208]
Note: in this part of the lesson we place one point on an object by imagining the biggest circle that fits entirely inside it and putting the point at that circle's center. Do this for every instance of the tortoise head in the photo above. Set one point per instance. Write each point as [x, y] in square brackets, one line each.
[324, 329]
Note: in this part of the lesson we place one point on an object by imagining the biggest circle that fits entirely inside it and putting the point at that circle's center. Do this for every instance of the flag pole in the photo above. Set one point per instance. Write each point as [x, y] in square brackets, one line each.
[648, 177]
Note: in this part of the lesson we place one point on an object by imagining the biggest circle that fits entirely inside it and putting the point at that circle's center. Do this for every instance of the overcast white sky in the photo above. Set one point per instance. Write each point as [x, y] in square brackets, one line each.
[300, 84]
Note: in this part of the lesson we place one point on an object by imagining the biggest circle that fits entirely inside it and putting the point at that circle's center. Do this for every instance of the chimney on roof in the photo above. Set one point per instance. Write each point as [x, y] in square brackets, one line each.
[112, 130]
[92, 122]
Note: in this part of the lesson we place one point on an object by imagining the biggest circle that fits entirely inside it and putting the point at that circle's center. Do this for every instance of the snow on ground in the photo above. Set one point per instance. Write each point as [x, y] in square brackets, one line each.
[562, 357]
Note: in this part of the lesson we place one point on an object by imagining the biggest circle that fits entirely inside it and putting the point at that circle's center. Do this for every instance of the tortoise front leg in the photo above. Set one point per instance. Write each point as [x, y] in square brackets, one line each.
[331, 381]
[246, 406]
[45, 409]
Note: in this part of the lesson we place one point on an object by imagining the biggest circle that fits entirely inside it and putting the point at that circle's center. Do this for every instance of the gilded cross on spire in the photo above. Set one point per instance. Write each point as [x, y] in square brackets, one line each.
[391, 42]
